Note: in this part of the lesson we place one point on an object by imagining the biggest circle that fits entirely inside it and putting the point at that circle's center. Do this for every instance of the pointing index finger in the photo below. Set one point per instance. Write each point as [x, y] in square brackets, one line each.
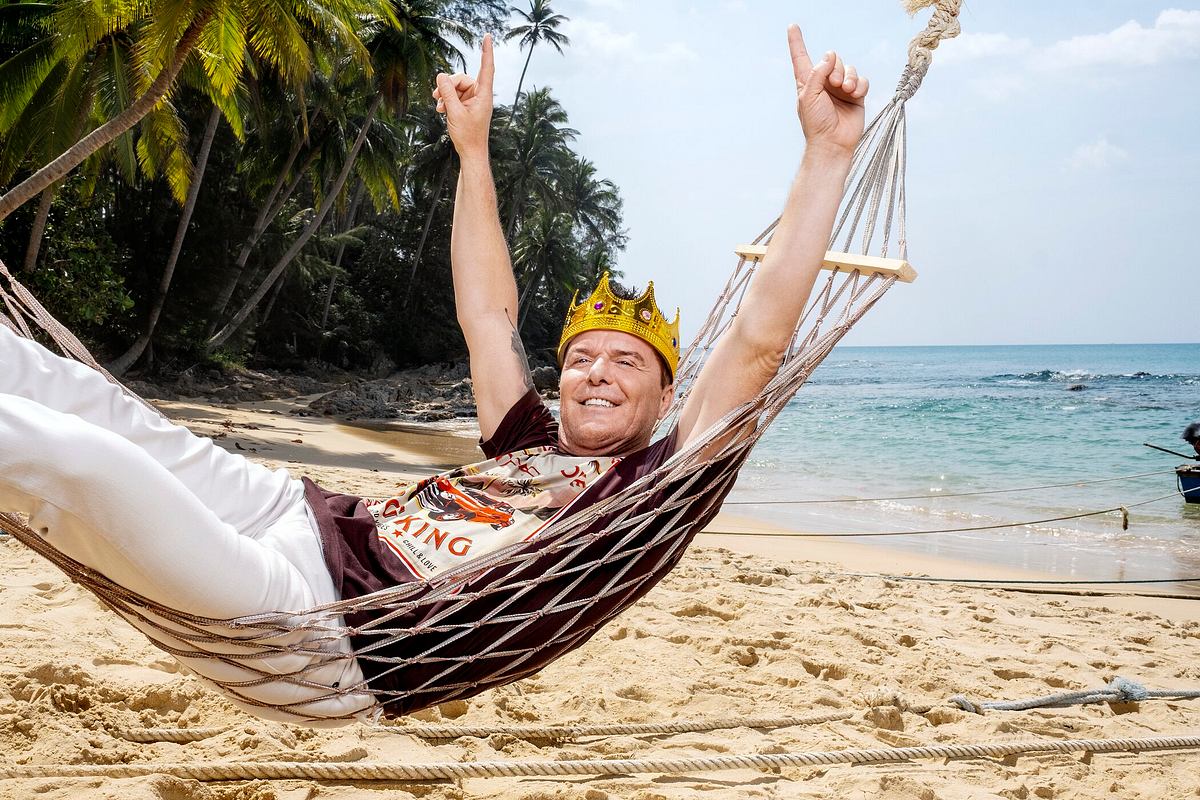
[801, 64]
[487, 67]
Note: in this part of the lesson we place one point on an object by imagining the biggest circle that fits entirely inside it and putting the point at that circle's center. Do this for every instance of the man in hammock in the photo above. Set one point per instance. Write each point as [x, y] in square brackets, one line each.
[183, 523]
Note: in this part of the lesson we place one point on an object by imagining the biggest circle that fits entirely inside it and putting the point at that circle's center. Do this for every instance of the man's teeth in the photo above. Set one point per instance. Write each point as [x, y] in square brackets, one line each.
[596, 401]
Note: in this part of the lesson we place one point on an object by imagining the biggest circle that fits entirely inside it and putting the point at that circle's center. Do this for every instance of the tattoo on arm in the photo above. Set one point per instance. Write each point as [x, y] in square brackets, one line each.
[519, 350]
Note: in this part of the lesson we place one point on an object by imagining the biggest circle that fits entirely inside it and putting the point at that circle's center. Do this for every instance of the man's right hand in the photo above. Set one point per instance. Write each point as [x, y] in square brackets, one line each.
[467, 104]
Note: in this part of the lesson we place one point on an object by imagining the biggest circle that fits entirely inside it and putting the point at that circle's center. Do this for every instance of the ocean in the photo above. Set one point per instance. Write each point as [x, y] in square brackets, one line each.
[876, 422]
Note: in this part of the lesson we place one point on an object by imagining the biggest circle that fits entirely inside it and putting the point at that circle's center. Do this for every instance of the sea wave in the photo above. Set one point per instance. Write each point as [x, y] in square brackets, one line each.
[1081, 375]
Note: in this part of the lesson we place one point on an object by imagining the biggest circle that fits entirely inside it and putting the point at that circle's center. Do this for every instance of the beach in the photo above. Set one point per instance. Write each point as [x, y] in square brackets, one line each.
[746, 626]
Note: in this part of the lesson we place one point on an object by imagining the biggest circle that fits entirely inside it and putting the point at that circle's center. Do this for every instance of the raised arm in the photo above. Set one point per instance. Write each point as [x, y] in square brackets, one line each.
[830, 106]
[485, 292]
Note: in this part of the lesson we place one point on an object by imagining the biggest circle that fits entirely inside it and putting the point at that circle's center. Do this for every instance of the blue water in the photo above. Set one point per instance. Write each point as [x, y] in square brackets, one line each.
[879, 421]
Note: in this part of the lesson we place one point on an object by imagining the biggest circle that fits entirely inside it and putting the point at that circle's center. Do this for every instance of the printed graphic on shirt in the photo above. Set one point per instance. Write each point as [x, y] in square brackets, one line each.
[446, 520]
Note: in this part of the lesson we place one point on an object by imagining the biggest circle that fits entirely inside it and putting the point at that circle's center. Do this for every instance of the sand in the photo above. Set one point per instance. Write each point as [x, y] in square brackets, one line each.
[746, 626]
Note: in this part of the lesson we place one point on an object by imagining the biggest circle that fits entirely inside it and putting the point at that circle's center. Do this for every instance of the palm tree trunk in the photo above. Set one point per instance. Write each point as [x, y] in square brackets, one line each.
[127, 359]
[57, 169]
[275, 290]
[513, 114]
[522, 305]
[437, 196]
[351, 214]
[274, 202]
[39, 228]
[512, 221]
[221, 336]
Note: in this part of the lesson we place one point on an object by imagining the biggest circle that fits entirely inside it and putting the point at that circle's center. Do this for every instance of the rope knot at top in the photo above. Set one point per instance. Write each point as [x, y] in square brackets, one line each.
[942, 25]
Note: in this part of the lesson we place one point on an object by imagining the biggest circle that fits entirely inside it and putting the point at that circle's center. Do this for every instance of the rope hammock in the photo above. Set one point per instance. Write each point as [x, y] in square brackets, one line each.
[507, 614]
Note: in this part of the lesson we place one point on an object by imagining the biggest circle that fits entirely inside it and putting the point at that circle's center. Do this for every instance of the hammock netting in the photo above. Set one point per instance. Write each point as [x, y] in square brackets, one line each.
[507, 614]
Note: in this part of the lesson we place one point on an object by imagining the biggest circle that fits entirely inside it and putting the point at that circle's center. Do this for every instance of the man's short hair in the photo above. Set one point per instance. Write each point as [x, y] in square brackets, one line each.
[1191, 434]
[631, 293]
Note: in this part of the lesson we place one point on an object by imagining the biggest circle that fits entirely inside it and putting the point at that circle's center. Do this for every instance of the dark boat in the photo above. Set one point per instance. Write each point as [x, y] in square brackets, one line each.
[1188, 476]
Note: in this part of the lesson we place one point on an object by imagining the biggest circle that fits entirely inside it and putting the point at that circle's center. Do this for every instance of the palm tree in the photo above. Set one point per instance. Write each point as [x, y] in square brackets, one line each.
[432, 161]
[412, 42]
[126, 360]
[533, 154]
[545, 252]
[168, 34]
[593, 204]
[50, 99]
[541, 25]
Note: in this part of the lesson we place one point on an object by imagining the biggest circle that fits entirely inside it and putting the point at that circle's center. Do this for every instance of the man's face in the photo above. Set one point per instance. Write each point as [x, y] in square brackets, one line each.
[611, 394]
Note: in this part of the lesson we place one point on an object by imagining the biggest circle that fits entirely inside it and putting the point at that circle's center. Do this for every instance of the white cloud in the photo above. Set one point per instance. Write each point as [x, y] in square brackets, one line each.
[998, 87]
[973, 46]
[1096, 155]
[1175, 35]
[596, 40]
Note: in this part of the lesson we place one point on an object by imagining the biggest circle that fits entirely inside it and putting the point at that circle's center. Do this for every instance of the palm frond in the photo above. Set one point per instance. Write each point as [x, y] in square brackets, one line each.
[222, 50]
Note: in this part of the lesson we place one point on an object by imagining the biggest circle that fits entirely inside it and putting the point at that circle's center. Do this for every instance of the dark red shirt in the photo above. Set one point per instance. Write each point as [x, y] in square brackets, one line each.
[440, 651]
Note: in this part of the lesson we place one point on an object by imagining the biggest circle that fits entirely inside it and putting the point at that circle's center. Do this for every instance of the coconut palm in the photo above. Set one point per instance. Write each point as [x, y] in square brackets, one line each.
[432, 160]
[545, 252]
[533, 153]
[50, 100]
[412, 42]
[219, 33]
[541, 25]
[127, 359]
[593, 204]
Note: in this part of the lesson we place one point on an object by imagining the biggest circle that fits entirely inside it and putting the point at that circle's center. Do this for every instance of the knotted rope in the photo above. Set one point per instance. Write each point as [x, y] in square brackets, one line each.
[274, 770]
[942, 25]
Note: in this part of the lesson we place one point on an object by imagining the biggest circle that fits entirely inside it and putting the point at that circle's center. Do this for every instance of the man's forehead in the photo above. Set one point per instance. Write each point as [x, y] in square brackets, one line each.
[610, 341]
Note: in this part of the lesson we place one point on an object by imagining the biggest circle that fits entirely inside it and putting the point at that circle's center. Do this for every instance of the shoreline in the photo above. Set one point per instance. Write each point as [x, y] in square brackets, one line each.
[404, 451]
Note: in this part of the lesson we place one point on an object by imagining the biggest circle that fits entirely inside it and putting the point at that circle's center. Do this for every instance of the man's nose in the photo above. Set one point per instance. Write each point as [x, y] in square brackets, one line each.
[599, 371]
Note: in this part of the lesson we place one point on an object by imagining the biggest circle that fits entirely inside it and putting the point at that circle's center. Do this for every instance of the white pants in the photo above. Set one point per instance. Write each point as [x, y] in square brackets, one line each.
[173, 517]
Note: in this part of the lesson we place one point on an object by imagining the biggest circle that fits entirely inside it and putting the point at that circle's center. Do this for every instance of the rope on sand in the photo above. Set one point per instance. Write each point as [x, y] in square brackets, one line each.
[940, 495]
[531, 732]
[1123, 510]
[1120, 690]
[275, 770]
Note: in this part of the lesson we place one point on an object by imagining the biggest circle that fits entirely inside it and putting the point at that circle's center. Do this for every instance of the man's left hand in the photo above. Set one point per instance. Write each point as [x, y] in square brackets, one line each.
[467, 104]
[829, 97]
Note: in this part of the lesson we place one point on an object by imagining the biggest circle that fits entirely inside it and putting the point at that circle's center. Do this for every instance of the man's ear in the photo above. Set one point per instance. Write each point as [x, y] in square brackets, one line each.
[664, 403]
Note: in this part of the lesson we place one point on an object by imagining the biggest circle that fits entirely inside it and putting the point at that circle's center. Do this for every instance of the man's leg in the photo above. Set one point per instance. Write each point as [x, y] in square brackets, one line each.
[106, 503]
[243, 494]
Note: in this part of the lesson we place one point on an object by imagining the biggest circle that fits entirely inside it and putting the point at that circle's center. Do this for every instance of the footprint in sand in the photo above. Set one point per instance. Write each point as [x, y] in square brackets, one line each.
[704, 610]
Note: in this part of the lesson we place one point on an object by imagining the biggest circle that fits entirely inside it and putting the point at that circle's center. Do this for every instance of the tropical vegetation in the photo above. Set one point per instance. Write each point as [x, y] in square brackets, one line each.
[189, 181]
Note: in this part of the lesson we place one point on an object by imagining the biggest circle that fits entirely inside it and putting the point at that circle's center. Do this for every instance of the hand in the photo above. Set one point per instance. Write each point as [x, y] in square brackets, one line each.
[829, 97]
[467, 104]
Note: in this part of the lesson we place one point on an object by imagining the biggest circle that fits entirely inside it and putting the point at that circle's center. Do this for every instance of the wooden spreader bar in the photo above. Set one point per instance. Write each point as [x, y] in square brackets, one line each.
[847, 262]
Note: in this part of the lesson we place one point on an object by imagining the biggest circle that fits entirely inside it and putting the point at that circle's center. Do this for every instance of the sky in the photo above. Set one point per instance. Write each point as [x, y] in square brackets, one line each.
[1053, 164]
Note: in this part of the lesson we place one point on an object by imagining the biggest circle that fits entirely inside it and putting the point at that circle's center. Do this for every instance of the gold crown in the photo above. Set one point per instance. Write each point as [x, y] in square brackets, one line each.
[641, 317]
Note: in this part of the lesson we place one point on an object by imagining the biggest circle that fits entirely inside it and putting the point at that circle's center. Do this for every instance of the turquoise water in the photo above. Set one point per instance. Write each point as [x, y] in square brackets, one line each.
[880, 421]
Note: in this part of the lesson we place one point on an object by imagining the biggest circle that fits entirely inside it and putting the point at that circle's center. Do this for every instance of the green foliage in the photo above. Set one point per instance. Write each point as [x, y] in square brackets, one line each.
[226, 361]
[81, 280]
[374, 282]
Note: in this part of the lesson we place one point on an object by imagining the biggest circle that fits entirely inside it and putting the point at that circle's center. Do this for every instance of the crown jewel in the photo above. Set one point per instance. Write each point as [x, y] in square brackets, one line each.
[641, 317]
